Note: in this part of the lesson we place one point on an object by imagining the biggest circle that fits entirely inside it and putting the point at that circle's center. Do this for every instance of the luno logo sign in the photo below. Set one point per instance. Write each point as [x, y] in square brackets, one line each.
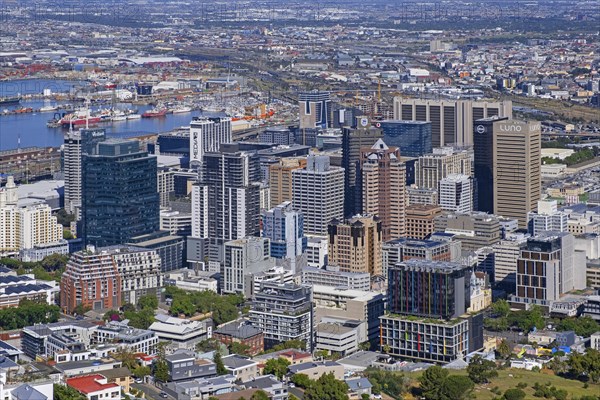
[195, 145]
[480, 129]
[510, 128]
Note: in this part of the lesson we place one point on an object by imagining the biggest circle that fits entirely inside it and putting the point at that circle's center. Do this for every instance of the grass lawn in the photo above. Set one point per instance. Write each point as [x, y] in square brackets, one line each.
[509, 378]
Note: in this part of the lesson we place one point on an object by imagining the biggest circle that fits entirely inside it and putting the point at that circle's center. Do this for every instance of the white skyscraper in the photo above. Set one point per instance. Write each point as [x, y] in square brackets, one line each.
[206, 134]
[75, 145]
[318, 191]
[456, 193]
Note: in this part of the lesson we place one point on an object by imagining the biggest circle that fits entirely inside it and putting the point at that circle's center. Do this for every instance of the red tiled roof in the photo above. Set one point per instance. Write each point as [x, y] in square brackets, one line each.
[89, 384]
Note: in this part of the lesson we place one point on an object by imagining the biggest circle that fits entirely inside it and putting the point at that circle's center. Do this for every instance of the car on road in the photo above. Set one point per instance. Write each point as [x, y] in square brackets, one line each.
[139, 380]
[163, 395]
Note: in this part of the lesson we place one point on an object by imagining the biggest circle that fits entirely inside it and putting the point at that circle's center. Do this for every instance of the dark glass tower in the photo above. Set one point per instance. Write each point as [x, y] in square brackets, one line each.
[413, 138]
[483, 147]
[353, 140]
[119, 193]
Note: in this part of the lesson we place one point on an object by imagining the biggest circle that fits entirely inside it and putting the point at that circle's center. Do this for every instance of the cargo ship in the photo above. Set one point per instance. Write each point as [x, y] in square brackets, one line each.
[5, 101]
[79, 118]
[155, 113]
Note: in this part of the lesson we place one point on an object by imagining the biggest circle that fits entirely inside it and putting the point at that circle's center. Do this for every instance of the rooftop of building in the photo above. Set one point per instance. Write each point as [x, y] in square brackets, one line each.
[353, 294]
[415, 243]
[90, 384]
[298, 368]
[430, 266]
[79, 365]
[235, 361]
[240, 329]
[27, 392]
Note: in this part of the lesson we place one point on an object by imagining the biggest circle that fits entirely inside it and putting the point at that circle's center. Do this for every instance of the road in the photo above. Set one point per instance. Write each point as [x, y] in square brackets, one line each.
[150, 391]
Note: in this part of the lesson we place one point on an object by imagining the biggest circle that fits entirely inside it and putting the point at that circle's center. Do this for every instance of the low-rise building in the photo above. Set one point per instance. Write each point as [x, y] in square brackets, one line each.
[314, 370]
[95, 387]
[342, 337]
[86, 367]
[13, 289]
[275, 389]
[192, 280]
[122, 335]
[181, 333]
[184, 366]
[431, 340]
[332, 276]
[241, 331]
[358, 387]
[350, 305]
[243, 369]
[201, 388]
[595, 341]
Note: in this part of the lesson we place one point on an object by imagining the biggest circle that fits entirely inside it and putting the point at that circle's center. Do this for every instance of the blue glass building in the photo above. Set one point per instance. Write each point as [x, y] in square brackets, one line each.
[119, 193]
[412, 137]
[284, 226]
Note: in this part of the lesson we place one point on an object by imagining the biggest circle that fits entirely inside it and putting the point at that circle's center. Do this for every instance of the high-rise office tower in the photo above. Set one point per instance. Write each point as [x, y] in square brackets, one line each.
[315, 109]
[353, 140]
[280, 179]
[451, 120]
[318, 193]
[547, 218]
[226, 202]
[356, 244]
[413, 138]
[515, 149]
[546, 268]
[76, 144]
[430, 169]
[384, 188]
[284, 226]
[206, 134]
[456, 193]
[243, 259]
[119, 193]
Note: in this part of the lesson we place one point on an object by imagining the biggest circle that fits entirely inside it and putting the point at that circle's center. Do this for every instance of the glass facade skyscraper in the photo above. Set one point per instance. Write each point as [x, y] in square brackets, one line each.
[119, 193]
[412, 137]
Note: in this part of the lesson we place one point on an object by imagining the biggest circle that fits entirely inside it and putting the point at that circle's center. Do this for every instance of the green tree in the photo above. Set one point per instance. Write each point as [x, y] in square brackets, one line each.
[327, 388]
[141, 371]
[432, 381]
[208, 345]
[583, 326]
[161, 368]
[112, 315]
[301, 380]
[501, 308]
[260, 395]
[218, 360]
[62, 392]
[141, 319]
[127, 358]
[239, 348]
[456, 387]
[182, 305]
[81, 309]
[587, 364]
[290, 344]
[503, 348]
[514, 394]
[481, 370]
[148, 301]
[276, 366]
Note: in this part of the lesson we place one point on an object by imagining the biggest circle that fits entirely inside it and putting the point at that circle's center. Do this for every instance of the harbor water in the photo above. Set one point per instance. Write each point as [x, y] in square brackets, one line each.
[29, 129]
